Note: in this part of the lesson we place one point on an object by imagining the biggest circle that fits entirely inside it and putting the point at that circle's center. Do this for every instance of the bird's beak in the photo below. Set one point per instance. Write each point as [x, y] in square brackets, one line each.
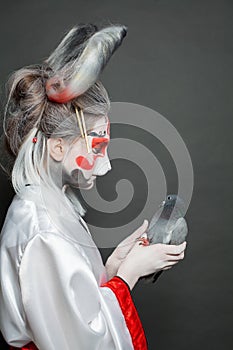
[162, 204]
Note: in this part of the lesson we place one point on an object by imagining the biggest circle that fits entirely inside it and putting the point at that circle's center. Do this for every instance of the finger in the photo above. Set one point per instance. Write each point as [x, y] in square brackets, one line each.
[136, 234]
[138, 244]
[171, 263]
[173, 257]
[168, 267]
[143, 241]
[141, 229]
[175, 249]
[176, 257]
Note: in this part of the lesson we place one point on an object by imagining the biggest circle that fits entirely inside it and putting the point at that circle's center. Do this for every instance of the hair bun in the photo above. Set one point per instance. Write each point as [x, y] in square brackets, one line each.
[26, 101]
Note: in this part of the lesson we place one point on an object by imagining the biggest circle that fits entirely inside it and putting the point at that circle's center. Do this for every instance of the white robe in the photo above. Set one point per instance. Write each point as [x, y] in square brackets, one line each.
[50, 284]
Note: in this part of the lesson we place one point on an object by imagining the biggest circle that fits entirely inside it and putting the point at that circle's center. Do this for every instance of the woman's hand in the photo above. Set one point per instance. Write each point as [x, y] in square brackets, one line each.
[143, 260]
[119, 254]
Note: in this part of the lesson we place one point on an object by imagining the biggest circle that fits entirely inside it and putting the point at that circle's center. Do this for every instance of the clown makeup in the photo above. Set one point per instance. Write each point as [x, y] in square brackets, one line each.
[81, 167]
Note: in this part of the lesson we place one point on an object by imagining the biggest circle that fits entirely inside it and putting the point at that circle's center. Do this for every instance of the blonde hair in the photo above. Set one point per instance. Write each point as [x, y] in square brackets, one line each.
[30, 114]
[41, 102]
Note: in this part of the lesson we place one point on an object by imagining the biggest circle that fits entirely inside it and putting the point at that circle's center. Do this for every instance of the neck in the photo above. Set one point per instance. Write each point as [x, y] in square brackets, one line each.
[55, 169]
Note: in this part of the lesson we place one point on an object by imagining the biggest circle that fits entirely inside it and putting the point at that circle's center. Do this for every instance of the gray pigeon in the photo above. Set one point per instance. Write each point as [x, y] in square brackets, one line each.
[167, 226]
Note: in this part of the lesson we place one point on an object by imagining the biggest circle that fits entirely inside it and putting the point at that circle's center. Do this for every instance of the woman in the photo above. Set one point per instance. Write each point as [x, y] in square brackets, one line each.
[55, 291]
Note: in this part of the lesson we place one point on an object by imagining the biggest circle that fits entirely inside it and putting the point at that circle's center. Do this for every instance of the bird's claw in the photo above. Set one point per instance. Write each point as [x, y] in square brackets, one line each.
[143, 241]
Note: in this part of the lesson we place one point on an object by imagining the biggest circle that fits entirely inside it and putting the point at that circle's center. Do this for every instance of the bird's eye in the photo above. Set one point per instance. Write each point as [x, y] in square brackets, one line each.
[169, 197]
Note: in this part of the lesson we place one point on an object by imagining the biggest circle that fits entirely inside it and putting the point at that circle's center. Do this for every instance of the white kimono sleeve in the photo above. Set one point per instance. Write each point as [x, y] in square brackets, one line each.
[64, 306]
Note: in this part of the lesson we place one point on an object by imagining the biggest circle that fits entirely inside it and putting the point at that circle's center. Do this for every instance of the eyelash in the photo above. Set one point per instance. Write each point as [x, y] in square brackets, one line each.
[95, 150]
[101, 134]
[98, 148]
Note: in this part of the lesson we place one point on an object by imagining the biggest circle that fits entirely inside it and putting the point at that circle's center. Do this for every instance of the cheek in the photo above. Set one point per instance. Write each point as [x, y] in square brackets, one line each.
[98, 143]
[84, 163]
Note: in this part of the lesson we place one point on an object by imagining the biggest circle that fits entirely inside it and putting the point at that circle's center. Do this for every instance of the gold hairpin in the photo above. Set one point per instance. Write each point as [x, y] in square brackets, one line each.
[79, 121]
[82, 127]
[85, 130]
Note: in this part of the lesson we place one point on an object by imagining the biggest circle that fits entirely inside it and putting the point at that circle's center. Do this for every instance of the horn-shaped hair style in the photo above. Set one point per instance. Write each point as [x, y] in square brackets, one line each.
[31, 111]
[77, 68]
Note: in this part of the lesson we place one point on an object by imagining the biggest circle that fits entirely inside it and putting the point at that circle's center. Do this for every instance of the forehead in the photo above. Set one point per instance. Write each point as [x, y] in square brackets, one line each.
[100, 124]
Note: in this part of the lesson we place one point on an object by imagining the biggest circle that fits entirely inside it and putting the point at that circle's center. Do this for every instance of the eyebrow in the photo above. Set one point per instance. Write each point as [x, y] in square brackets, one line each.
[100, 134]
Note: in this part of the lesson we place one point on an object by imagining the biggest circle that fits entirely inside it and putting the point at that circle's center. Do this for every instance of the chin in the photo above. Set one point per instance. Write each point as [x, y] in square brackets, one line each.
[84, 184]
[87, 185]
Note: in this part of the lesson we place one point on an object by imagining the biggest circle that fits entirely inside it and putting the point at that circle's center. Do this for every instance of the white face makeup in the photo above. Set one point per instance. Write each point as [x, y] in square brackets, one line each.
[81, 167]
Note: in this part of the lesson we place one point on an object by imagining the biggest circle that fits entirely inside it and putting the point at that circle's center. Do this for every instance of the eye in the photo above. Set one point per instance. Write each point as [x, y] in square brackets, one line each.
[96, 150]
[99, 147]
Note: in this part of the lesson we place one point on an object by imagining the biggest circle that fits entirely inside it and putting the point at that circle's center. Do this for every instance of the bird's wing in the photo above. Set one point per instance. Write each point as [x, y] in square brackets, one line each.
[157, 234]
[155, 218]
[179, 232]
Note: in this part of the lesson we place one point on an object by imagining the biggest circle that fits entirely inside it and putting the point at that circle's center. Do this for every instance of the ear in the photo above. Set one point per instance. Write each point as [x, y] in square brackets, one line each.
[57, 148]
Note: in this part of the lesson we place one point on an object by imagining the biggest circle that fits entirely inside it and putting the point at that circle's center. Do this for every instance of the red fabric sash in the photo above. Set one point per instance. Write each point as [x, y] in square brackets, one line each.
[121, 290]
[29, 346]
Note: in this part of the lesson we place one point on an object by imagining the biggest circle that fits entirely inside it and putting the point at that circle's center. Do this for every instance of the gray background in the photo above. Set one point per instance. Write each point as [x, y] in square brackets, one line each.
[177, 60]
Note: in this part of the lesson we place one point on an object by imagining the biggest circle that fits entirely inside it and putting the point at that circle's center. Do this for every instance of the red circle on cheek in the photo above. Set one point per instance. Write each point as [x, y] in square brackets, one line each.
[84, 163]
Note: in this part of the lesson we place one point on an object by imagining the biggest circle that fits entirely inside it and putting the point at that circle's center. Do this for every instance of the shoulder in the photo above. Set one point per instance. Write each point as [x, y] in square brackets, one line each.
[49, 252]
[33, 219]
[25, 217]
[54, 243]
